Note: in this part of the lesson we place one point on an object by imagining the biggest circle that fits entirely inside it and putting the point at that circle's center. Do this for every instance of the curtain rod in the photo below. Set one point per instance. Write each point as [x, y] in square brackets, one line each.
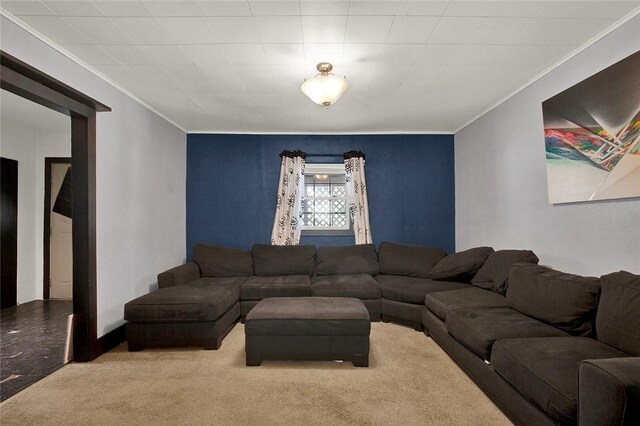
[349, 154]
[298, 153]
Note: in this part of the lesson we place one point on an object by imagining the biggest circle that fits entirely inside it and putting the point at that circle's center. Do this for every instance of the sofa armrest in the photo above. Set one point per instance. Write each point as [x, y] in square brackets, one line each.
[609, 392]
[179, 275]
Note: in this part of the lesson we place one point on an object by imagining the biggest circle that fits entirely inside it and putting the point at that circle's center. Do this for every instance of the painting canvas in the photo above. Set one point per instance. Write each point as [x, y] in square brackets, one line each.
[592, 136]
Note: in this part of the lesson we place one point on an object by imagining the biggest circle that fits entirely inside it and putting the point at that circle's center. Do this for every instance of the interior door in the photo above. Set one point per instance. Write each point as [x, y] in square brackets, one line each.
[61, 240]
[9, 230]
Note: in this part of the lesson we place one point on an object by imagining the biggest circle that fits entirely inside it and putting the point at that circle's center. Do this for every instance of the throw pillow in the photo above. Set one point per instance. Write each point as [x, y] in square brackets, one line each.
[461, 266]
[494, 274]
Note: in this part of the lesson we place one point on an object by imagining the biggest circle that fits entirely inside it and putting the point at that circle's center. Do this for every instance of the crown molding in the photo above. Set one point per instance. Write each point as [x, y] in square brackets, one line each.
[566, 58]
[578, 50]
[352, 133]
[86, 66]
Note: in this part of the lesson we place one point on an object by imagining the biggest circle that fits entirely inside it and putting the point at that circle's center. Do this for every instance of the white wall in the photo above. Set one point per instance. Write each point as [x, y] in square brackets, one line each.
[140, 181]
[501, 182]
[49, 135]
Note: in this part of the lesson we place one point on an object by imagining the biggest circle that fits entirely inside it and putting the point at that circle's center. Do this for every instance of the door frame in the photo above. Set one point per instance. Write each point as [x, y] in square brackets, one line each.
[9, 270]
[46, 231]
[29, 82]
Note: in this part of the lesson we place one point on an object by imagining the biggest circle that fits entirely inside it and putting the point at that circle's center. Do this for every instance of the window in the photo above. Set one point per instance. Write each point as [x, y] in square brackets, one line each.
[324, 203]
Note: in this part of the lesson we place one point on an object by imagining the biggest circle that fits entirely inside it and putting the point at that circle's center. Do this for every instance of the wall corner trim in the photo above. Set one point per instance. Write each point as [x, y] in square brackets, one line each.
[84, 65]
[575, 52]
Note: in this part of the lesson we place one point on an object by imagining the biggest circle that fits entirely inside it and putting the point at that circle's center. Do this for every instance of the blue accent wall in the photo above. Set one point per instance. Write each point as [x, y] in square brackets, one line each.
[232, 182]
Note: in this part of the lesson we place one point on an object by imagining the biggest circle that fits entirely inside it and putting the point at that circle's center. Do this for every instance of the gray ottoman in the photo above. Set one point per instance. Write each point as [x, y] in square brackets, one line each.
[308, 328]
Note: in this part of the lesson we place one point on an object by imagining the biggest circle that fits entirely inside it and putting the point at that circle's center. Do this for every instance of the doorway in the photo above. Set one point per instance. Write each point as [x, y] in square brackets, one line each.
[30, 83]
[34, 331]
[58, 229]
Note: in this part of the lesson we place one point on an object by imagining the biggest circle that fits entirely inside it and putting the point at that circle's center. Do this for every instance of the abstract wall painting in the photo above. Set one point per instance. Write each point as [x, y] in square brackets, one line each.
[592, 136]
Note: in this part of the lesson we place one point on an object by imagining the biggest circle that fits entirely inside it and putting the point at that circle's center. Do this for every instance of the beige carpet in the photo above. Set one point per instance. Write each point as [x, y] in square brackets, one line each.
[410, 381]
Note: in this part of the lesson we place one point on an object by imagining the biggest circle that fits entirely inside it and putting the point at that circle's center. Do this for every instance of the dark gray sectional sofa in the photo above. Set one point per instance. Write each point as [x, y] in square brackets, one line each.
[547, 347]
[530, 350]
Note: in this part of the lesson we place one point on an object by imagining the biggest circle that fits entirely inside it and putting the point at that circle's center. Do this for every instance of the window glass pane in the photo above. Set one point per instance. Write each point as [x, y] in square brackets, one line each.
[322, 206]
[337, 191]
[307, 205]
[339, 220]
[322, 219]
[322, 191]
[338, 206]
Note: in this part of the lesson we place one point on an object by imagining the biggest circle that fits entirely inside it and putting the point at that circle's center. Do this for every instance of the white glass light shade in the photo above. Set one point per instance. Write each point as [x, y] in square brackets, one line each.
[325, 89]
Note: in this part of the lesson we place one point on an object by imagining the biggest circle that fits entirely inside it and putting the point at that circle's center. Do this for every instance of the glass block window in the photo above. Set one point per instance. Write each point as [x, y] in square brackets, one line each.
[324, 203]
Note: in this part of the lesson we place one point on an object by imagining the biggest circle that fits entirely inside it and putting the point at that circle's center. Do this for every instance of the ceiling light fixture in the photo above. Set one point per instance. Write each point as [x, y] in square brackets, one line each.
[325, 88]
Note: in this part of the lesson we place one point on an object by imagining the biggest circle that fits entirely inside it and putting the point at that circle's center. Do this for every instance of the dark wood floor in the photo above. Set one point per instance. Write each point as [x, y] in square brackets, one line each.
[32, 339]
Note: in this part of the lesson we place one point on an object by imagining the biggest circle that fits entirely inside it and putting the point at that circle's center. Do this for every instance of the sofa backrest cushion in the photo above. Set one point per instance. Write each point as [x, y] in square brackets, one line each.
[271, 260]
[566, 301]
[356, 259]
[461, 266]
[494, 274]
[407, 260]
[217, 261]
[618, 318]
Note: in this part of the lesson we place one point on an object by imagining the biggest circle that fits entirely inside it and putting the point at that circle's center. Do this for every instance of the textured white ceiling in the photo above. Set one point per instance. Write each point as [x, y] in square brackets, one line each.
[237, 65]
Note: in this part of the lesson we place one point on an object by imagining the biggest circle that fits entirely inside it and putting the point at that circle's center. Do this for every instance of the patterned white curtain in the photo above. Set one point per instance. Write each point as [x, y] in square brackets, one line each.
[288, 220]
[356, 189]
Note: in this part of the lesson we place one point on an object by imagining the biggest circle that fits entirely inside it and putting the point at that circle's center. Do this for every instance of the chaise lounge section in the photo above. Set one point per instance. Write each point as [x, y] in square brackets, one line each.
[198, 313]
[197, 303]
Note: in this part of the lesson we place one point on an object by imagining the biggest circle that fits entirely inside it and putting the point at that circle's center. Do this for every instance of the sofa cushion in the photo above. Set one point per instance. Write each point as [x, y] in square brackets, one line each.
[407, 260]
[258, 288]
[546, 370]
[494, 274]
[567, 301]
[443, 302]
[479, 328]
[461, 266]
[217, 261]
[308, 316]
[412, 290]
[205, 299]
[360, 286]
[231, 282]
[356, 259]
[618, 318]
[271, 261]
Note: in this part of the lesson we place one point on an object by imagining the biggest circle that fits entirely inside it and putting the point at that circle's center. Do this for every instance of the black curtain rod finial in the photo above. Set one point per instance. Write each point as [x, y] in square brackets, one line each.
[354, 154]
[292, 154]
[298, 153]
